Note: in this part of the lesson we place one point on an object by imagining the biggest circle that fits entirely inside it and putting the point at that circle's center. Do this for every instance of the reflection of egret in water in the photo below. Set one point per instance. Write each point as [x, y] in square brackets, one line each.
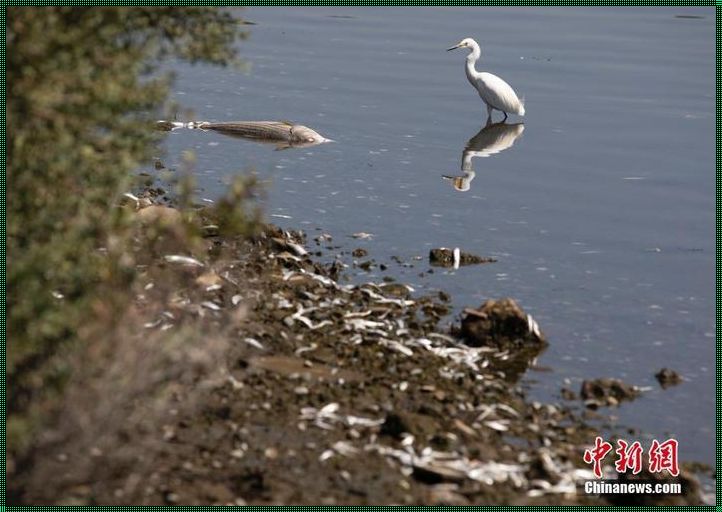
[492, 139]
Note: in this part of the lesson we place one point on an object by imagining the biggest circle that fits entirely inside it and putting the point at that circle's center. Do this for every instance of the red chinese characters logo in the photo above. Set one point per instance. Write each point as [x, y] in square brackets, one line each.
[628, 457]
[662, 456]
[596, 455]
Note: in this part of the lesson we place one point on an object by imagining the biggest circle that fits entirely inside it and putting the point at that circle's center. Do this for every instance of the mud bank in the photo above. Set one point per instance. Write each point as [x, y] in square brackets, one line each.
[305, 390]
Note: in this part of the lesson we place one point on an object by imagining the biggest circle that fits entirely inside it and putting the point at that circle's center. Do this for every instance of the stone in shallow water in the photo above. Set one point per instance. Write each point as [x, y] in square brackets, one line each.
[667, 378]
[598, 392]
[444, 257]
[500, 323]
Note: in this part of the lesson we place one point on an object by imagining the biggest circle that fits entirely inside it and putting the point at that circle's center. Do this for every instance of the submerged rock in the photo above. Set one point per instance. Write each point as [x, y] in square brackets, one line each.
[500, 323]
[667, 378]
[600, 392]
[444, 257]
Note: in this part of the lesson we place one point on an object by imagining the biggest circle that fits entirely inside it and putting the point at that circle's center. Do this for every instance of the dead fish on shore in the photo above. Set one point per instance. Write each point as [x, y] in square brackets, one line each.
[282, 133]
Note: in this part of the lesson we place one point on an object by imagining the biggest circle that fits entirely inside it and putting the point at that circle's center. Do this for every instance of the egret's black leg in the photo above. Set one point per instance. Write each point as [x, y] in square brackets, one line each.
[505, 116]
[489, 110]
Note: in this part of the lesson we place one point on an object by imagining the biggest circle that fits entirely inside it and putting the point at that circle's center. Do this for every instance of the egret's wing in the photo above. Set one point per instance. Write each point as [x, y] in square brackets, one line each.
[499, 94]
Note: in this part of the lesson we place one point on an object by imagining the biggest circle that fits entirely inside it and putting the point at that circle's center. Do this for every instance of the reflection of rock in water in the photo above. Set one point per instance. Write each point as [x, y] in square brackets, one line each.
[492, 139]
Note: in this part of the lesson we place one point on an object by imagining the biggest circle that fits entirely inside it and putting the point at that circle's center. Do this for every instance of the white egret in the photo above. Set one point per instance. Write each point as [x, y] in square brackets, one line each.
[496, 93]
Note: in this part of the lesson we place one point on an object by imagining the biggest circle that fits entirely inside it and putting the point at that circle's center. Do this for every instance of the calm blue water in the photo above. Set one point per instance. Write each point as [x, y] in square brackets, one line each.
[601, 213]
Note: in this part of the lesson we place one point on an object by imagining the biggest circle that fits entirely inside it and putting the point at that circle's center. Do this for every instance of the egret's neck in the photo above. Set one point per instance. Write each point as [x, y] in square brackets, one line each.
[471, 61]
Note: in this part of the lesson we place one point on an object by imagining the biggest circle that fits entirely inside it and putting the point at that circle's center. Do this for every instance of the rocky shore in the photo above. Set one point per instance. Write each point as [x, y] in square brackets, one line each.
[304, 389]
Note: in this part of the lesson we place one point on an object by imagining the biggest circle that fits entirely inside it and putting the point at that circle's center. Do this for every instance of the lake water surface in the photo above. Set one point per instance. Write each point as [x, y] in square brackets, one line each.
[601, 213]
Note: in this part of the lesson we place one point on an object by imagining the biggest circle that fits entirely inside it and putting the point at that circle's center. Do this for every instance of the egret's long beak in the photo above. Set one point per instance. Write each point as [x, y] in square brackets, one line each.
[453, 47]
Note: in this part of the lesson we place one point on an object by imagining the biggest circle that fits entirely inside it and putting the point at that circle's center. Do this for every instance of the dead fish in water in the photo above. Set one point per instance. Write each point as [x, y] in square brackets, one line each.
[285, 134]
[282, 133]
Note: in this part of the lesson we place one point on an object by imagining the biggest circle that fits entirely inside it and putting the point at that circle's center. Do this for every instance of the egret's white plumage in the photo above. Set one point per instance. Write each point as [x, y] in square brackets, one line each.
[496, 93]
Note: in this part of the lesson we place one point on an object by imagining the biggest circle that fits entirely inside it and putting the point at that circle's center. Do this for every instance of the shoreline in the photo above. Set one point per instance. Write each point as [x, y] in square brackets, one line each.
[304, 390]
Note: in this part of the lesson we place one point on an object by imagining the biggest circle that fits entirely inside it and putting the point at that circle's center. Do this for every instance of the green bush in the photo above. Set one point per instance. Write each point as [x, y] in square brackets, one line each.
[83, 92]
